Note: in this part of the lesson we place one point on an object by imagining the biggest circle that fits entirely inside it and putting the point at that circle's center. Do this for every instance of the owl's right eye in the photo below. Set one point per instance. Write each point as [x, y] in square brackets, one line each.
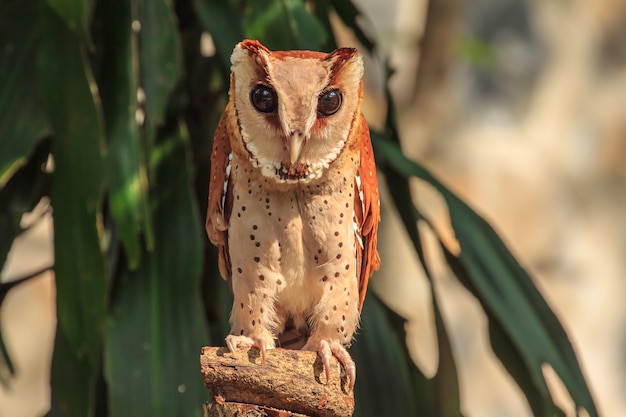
[264, 98]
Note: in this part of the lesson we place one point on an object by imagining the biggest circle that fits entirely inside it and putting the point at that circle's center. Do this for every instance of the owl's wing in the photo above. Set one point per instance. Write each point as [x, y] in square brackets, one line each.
[367, 212]
[220, 195]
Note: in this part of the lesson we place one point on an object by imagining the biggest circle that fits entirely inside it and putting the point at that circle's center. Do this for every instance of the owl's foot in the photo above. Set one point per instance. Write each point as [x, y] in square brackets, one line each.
[326, 349]
[261, 342]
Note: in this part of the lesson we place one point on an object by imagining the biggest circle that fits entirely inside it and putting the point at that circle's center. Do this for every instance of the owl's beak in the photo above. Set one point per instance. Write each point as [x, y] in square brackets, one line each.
[295, 143]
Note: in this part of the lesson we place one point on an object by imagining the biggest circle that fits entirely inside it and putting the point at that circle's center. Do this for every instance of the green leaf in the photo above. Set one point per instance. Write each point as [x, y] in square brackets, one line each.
[446, 381]
[439, 395]
[70, 368]
[322, 10]
[118, 83]
[383, 366]
[22, 119]
[75, 14]
[155, 327]
[504, 289]
[160, 62]
[538, 397]
[222, 20]
[284, 25]
[160, 70]
[68, 91]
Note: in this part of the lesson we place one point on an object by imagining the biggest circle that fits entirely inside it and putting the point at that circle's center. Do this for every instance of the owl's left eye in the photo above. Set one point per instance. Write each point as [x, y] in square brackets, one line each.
[329, 103]
[264, 98]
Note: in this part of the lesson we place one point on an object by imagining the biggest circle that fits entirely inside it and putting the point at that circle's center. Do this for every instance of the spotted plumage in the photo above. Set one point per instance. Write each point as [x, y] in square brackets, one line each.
[293, 199]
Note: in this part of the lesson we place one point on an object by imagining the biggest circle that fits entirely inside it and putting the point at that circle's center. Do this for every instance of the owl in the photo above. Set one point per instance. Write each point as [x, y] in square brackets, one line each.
[293, 202]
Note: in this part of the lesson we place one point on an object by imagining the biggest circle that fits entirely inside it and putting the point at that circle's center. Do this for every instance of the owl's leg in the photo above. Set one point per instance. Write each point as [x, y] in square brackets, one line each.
[253, 318]
[333, 323]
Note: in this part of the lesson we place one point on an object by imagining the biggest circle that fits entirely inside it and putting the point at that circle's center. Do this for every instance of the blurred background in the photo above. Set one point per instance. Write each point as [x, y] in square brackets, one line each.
[520, 108]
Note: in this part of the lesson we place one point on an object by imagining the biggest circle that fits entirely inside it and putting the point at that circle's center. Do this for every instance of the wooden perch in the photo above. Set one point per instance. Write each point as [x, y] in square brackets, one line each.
[288, 383]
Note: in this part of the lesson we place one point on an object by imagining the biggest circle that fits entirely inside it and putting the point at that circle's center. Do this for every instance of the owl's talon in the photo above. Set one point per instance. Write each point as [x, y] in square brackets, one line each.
[261, 343]
[233, 342]
[262, 351]
[325, 353]
[344, 358]
[327, 349]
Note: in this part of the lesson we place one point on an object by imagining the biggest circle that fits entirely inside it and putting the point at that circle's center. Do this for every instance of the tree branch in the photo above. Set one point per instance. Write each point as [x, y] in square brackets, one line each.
[289, 381]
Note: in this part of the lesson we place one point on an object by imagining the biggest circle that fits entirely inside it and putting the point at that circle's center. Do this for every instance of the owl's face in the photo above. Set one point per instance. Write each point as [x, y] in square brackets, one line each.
[295, 109]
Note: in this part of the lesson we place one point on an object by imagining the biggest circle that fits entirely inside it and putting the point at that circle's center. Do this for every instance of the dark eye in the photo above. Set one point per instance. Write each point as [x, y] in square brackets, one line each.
[264, 98]
[329, 103]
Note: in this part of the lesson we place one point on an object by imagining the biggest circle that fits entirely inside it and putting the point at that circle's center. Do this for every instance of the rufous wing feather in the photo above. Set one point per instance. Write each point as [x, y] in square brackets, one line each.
[367, 211]
[220, 195]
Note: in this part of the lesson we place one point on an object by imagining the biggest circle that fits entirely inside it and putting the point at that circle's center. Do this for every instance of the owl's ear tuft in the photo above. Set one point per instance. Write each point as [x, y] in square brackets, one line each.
[343, 54]
[251, 55]
[344, 58]
[250, 50]
[253, 47]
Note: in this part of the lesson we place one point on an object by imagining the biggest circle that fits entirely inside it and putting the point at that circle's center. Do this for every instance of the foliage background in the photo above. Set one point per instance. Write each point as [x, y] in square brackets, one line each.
[128, 185]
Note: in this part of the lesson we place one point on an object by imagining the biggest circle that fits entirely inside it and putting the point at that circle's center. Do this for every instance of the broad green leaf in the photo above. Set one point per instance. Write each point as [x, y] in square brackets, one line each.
[22, 119]
[160, 70]
[538, 397]
[130, 351]
[75, 14]
[284, 25]
[155, 328]
[535, 389]
[446, 381]
[68, 91]
[383, 366]
[160, 61]
[439, 395]
[205, 91]
[223, 21]
[118, 82]
[504, 289]
[322, 10]
[70, 368]
[311, 33]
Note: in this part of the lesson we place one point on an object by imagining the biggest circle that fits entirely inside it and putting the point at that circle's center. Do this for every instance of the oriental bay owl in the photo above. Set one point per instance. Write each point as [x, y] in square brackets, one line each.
[293, 199]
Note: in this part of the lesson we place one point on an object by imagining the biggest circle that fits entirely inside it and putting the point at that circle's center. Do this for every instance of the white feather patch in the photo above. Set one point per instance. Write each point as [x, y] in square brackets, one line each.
[359, 186]
[357, 232]
[227, 177]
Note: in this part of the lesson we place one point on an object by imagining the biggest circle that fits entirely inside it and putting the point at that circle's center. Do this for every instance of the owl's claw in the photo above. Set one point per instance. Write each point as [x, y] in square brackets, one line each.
[261, 343]
[327, 349]
[325, 353]
[233, 342]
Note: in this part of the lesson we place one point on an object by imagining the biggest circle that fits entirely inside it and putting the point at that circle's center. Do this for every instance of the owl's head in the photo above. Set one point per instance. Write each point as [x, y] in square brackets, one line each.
[295, 109]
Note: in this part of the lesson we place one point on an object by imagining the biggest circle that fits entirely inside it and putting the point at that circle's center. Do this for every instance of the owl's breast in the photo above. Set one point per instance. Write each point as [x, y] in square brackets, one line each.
[299, 236]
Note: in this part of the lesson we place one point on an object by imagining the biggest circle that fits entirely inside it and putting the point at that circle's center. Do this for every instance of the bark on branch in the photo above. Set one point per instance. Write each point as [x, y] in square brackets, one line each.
[288, 382]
